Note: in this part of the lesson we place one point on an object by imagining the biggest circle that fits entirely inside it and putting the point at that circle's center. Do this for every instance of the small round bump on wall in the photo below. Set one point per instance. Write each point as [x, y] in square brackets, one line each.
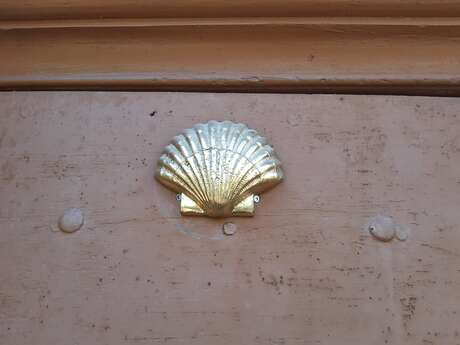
[384, 228]
[401, 232]
[229, 229]
[71, 221]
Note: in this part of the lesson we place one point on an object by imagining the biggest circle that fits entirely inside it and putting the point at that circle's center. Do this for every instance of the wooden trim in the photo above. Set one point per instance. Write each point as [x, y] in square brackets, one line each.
[45, 45]
[243, 21]
[103, 9]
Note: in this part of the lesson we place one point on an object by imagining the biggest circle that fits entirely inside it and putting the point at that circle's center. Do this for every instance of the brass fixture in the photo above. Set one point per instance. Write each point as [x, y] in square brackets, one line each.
[218, 168]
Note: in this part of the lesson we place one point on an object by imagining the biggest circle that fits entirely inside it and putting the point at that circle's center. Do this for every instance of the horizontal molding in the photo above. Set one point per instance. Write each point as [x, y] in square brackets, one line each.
[352, 54]
[349, 22]
[98, 9]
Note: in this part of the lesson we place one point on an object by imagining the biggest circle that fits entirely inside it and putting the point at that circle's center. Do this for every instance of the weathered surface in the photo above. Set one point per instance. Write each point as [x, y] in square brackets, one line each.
[348, 55]
[302, 271]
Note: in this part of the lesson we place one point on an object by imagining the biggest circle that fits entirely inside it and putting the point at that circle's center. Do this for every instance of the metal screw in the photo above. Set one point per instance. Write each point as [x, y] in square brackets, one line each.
[178, 197]
[256, 199]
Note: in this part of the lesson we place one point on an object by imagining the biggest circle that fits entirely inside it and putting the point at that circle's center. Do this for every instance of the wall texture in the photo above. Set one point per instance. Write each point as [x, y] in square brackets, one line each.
[302, 271]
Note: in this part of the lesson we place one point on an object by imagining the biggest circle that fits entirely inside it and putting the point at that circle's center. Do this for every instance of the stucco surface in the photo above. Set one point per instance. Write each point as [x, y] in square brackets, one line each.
[304, 270]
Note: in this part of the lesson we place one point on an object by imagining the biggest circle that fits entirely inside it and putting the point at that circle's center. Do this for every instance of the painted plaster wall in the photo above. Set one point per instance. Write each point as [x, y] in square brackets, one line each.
[304, 270]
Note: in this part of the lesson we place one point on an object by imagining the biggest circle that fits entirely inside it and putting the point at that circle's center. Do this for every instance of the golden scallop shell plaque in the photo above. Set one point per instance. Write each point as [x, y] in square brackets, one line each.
[218, 168]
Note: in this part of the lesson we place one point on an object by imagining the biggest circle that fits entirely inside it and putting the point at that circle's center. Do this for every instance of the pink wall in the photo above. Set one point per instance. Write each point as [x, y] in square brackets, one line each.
[304, 270]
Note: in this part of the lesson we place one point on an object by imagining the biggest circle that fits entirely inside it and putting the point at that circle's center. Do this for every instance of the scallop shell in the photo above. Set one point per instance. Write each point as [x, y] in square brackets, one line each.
[218, 167]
